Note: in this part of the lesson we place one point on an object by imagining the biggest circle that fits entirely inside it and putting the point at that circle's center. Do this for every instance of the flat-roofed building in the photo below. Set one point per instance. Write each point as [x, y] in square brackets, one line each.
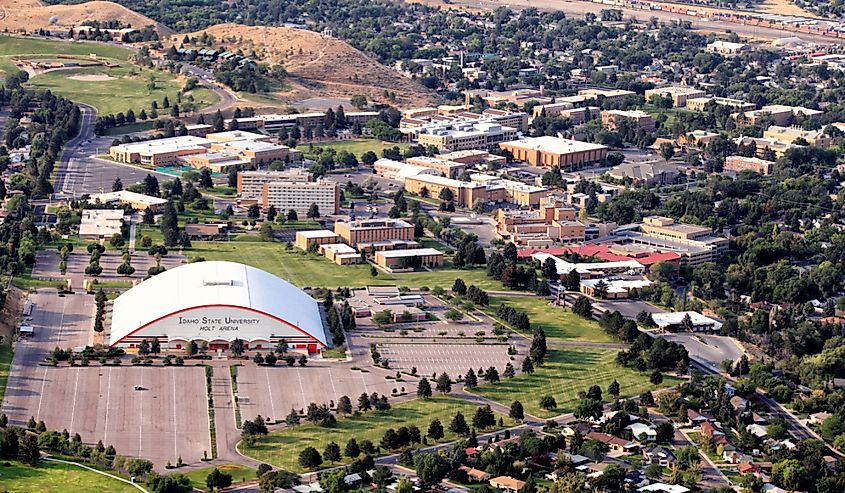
[639, 119]
[206, 232]
[549, 151]
[216, 162]
[763, 146]
[398, 170]
[230, 135]
[614, 289]
[728, 47]
[778, 114]
[678, 94]
[251, 183]
[198, 130]
[408, 259]
[341, 253]
[135, 200]
[465, 194]
[255, 152]
[449, 169]
[468, 135]
[698, 104]
[100, 224]
[159, 152]
[611, 95]
[244, 123]
[742, 163]
[299, 196]
[305, 239]
[666, 227]
[515, 192]
[374, 230]
[789, 135]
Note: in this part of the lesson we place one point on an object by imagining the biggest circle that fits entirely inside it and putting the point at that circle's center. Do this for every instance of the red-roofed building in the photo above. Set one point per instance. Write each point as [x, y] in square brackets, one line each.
[611, 253]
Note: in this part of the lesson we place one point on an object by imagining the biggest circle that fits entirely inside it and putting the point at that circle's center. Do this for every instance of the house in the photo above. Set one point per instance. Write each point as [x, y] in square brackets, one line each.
[758, 430]
[747, 468]
[354, 479]
[757, 419]
[664, 488]
[818, 418]
[695, 418]
[507, 484]
[733, 456]
[475, 475]
[639, 430]
[660, 456]
[616, 444]
[739, 404]
[575, 459]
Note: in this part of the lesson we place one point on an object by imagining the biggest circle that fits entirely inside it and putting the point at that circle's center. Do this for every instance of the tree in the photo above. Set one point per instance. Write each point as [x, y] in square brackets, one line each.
[516, 412]
[582, 307]
[333, 481]
[470, 379]
[527, 365]
[459, 287]
[352, 450]
[424, 388]
[28, 452]
[549, 269]
[217, 480]
[459, 425]
[174, 483]
[313, 212]
[444, 383]
[588, 408]
[344, 405]
[656, 377]
[332, 452]
[595, 450]
[538, 346]
[237, 347]
[117, 186]
[548, 402]
[667, 150]
[613, 388]
[272, 480]
[431, 468]
[292, 215]
[309, 458]
[435, 430]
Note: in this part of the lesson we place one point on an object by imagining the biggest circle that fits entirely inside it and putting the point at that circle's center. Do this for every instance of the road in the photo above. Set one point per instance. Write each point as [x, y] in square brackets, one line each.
[227, 97]
[86, 132]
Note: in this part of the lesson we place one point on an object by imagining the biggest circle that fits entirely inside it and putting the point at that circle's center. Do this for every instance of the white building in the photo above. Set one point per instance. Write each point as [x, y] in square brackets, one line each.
[672, 321]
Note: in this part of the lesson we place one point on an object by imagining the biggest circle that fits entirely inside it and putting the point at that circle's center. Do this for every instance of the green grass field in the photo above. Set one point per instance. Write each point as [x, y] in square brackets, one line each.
[357, 146]
[126, 89]
[556, 322]
[311, 270]
[240, 474]
[10, 46]
[55, 477]
[281, 448]
[6, 354]
[565, 373]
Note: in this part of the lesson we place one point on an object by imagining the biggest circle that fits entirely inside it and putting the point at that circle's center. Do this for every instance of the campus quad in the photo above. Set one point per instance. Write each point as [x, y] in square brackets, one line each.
[217, 302]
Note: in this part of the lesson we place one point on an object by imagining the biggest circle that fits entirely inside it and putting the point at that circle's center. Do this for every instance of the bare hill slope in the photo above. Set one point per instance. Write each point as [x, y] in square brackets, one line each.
[318, 65]
[32, 14]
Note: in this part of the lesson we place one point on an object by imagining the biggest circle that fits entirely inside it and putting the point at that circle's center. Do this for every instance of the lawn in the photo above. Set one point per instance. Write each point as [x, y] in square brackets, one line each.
[357, 146]
[565, 373]
[240, 474]
[311, 270]
[6, 354]
[55, 477]
[281, 448]
[10, 46]
[127, 88]
[558, 323]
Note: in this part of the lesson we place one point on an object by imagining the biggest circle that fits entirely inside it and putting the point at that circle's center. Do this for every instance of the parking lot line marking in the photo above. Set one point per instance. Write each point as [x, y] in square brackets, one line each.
[334, 390]
[73, 407]
[301, 388]
[173, 405]
[270, 393]
[141, 420]
[108, 406]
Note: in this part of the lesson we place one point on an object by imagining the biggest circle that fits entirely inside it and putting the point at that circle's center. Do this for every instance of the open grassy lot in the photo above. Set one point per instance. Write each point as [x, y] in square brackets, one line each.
[6, 354]
[565, 373]
[29, 46]
[127, 88]
[556, 322]
[357, 146]
[281, 448]
[311, 270]
[55, 477]
[240, 474]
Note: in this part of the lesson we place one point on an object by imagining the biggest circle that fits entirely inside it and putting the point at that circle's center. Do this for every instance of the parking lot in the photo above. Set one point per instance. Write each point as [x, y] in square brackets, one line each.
[454, 359]
[47, 265]
[709, 349]
[273, 391]
[100, 403]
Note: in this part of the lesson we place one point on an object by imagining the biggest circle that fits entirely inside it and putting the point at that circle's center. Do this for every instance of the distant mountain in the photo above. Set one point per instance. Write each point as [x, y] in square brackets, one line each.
[33, 14]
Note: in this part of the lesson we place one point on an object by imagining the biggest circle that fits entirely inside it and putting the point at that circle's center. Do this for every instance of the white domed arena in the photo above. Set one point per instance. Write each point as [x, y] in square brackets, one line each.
[217, 302]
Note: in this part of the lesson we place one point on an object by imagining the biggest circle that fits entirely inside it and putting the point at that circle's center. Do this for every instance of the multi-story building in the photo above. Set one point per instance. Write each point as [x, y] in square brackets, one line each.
[789, 135]
[305, 239]
[728, 48]
[640, 119]
[553, 151]
[398, 170]
[777, 147]
[778, 114]
[251, 183]
[135, 200]
[232, 135]
[463, 136]
[255, 152]
[449, 169]
[299, 196]
[577, 115]
[244, 123]
[515, 192]
[159, 152]
[373, 231]
[217, 162]
[698, 104]
[408, 259]
[695, 244]
[610, 95]
[742, 163]
[679, 94]
[463, 193]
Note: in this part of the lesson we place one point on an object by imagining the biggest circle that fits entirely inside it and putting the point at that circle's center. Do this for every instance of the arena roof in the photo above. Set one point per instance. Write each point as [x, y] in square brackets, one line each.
[215, 285]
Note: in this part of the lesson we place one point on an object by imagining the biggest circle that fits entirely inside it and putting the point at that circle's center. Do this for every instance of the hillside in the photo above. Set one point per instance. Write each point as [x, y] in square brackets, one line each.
[318, 66]
[33, 14]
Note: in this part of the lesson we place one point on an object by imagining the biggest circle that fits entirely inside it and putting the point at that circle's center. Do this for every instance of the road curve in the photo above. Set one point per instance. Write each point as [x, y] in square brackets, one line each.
[86, 132]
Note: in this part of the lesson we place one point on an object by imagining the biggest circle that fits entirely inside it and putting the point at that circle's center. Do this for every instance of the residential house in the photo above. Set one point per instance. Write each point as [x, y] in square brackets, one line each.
[660, 456]
[507, 484]
[475, 475]
[616, 444]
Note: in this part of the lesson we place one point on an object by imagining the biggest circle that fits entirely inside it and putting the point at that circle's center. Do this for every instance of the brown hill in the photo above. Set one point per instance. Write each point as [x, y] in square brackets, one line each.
[32, 14]
[318, 65]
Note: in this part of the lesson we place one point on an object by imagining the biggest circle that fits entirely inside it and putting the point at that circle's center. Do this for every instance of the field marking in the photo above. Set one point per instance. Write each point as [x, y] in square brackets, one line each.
[270, 393]
[108, 406]
[73, 407]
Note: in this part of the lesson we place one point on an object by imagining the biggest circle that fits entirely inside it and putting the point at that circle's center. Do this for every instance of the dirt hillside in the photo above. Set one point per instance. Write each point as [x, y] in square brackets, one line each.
[32, 14]
[318, 66]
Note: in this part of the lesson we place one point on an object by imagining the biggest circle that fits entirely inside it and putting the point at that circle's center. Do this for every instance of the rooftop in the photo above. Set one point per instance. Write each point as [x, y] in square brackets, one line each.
[411, 252]
[554, 145]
